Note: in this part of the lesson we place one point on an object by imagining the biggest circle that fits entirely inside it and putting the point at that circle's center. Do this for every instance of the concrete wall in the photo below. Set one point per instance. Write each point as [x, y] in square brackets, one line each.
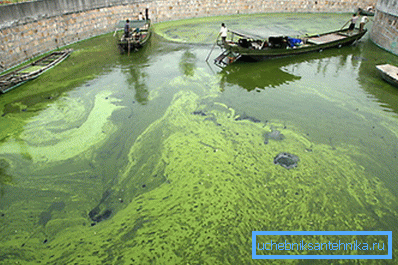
[384, 31]
[30, 28]
[388, 6]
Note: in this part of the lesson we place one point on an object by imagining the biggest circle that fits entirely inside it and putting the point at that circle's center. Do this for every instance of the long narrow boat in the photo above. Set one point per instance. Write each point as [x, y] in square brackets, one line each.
[30, 71]
[259, 48]
[364, 12]
[389, 73]
[141, 32]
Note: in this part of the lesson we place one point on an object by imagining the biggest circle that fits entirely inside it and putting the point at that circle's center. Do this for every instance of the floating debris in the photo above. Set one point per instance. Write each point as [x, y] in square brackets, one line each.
[199, 112]
[97, 217]
[286, 160]
[95, 214]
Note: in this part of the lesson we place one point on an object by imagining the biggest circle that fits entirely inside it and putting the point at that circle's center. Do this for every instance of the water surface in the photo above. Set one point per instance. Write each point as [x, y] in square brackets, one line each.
[159, 157]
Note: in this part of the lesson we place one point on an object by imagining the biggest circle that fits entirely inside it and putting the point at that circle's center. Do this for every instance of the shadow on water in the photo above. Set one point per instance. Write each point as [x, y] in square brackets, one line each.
[268, 75]
[187, 63]
[276, 72]
[135, 73]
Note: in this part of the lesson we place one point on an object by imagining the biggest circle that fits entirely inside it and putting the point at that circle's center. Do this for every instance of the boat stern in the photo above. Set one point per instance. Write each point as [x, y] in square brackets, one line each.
[226, 58]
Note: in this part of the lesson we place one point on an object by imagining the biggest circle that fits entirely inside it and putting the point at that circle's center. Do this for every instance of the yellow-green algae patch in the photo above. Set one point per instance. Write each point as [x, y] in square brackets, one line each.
[205, 29]
[221, 184]
[65, 129]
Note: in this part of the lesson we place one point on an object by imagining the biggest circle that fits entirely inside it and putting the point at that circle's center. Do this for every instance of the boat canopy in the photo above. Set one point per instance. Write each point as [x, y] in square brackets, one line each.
[247, 35]
[133, 24]
[254, 36]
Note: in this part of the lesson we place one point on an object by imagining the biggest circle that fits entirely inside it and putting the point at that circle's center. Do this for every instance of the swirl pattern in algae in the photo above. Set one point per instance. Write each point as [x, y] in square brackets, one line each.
[219, 184]
[64, 129]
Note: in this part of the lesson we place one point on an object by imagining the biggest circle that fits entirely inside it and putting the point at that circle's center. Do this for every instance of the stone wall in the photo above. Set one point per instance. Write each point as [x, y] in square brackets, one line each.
[30, 28]
[384, 31]
[388, 6]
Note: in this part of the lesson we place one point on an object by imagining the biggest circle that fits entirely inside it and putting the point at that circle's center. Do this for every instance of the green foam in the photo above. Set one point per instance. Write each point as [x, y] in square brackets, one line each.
[220, 184]
[65, 129]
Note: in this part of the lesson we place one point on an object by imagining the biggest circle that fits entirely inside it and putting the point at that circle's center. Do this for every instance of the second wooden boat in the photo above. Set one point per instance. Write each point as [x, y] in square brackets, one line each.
[30, 71]
[137, 38]
[364, 12]
[258, 48]
[389, 73]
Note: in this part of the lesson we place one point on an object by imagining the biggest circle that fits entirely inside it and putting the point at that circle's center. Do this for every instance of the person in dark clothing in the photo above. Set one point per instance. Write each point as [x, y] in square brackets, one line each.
[353, 21]
[127, 29]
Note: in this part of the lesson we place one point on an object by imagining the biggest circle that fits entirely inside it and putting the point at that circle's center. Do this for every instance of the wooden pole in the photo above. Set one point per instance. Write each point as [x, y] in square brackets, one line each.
[212, 49]
[345, 24]
[128, 47]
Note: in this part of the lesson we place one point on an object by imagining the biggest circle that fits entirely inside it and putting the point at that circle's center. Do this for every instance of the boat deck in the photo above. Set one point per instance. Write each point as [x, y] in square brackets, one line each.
[388, 69]
[28, 72]
[389, 73]
[335, 36]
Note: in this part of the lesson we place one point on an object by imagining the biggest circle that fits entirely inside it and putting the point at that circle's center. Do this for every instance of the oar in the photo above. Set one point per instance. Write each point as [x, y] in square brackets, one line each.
[345, 24]
[214, 45]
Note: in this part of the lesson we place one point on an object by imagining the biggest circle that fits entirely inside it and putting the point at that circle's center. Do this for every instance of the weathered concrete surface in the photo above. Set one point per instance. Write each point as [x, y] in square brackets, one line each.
[26, 12]
[388, 6]
[384, 31]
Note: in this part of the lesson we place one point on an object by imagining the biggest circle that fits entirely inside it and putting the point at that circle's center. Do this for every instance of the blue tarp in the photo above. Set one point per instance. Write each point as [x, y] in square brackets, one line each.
[294, 42]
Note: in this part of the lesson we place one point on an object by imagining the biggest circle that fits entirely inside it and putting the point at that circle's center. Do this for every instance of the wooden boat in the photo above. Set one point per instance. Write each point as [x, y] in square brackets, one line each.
[139, 35]
[28, 72]
[258, 48]
[389, 73]
[364, 12]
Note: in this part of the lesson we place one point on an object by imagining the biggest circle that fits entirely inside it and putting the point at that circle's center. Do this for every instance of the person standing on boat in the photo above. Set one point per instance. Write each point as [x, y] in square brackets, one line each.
[223, 33]
[364, 20]
[127, 29]
[353, 21]
[140, 16]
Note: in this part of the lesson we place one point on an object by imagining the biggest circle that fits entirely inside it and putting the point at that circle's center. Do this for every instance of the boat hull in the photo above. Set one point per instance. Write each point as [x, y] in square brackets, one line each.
[389, 73]
[134, 45]
[363, 12]
[135, 41]
[31, 71]
[277, 54]
[313, 43]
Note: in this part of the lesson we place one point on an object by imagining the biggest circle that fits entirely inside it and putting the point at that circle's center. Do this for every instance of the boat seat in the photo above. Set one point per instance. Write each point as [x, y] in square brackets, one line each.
[312, 42]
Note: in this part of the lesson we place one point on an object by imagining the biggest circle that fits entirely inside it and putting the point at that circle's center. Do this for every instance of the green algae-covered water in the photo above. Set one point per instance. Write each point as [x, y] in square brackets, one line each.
[161, 158]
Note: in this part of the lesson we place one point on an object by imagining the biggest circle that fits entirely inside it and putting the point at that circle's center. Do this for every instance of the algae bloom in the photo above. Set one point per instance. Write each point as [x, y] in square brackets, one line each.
[211, 182]
[65, 129]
